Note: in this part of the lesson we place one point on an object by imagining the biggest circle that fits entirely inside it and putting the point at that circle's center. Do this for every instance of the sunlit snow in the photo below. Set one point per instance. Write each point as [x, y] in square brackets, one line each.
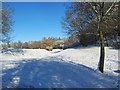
[69, 68]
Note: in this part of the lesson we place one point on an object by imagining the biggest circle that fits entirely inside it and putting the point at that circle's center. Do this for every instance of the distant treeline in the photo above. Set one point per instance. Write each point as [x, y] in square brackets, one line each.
[42, 44]
[61, 43]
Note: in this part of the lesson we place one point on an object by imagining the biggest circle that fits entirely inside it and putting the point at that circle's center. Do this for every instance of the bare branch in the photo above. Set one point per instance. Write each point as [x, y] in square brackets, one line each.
[93, 7]
[110, 8]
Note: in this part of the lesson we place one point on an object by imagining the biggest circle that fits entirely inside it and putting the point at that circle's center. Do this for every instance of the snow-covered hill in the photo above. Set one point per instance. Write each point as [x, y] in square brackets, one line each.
[70, 68]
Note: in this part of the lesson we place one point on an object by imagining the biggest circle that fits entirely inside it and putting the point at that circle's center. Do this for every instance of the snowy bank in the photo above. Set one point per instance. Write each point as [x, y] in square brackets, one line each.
[70, 68]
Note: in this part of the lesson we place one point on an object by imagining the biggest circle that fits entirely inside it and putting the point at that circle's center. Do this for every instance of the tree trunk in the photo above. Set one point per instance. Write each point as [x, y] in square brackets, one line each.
[102, 50]
[8, 45]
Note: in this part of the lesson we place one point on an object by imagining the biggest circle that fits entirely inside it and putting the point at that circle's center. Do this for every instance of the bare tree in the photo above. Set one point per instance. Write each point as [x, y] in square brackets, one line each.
[6, 23]
[81, 16]
[102, 10]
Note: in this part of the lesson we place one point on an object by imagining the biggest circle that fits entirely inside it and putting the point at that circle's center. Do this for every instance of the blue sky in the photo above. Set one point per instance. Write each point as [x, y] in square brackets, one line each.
[33, 21]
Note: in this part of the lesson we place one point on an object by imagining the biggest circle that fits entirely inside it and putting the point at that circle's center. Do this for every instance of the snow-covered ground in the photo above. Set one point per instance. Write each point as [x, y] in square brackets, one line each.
[70, 68]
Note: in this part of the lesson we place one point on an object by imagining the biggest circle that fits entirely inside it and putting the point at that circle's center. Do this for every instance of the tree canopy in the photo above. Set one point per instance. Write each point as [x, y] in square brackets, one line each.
[6, 23]
[90, 22]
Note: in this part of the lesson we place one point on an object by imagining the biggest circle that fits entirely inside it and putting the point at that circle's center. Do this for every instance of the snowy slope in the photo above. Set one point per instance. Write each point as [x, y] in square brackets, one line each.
[89, 56]
[70, 68]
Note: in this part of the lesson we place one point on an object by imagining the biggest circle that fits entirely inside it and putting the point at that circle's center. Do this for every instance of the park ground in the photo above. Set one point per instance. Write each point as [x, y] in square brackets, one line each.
[69, 68]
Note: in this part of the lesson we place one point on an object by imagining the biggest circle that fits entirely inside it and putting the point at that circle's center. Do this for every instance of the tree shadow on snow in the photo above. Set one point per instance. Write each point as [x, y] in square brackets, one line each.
[48, 73]
[12, 51]
[117, 71]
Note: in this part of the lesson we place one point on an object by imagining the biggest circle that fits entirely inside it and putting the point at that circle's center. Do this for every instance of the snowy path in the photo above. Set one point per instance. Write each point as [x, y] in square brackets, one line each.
[66, 69]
